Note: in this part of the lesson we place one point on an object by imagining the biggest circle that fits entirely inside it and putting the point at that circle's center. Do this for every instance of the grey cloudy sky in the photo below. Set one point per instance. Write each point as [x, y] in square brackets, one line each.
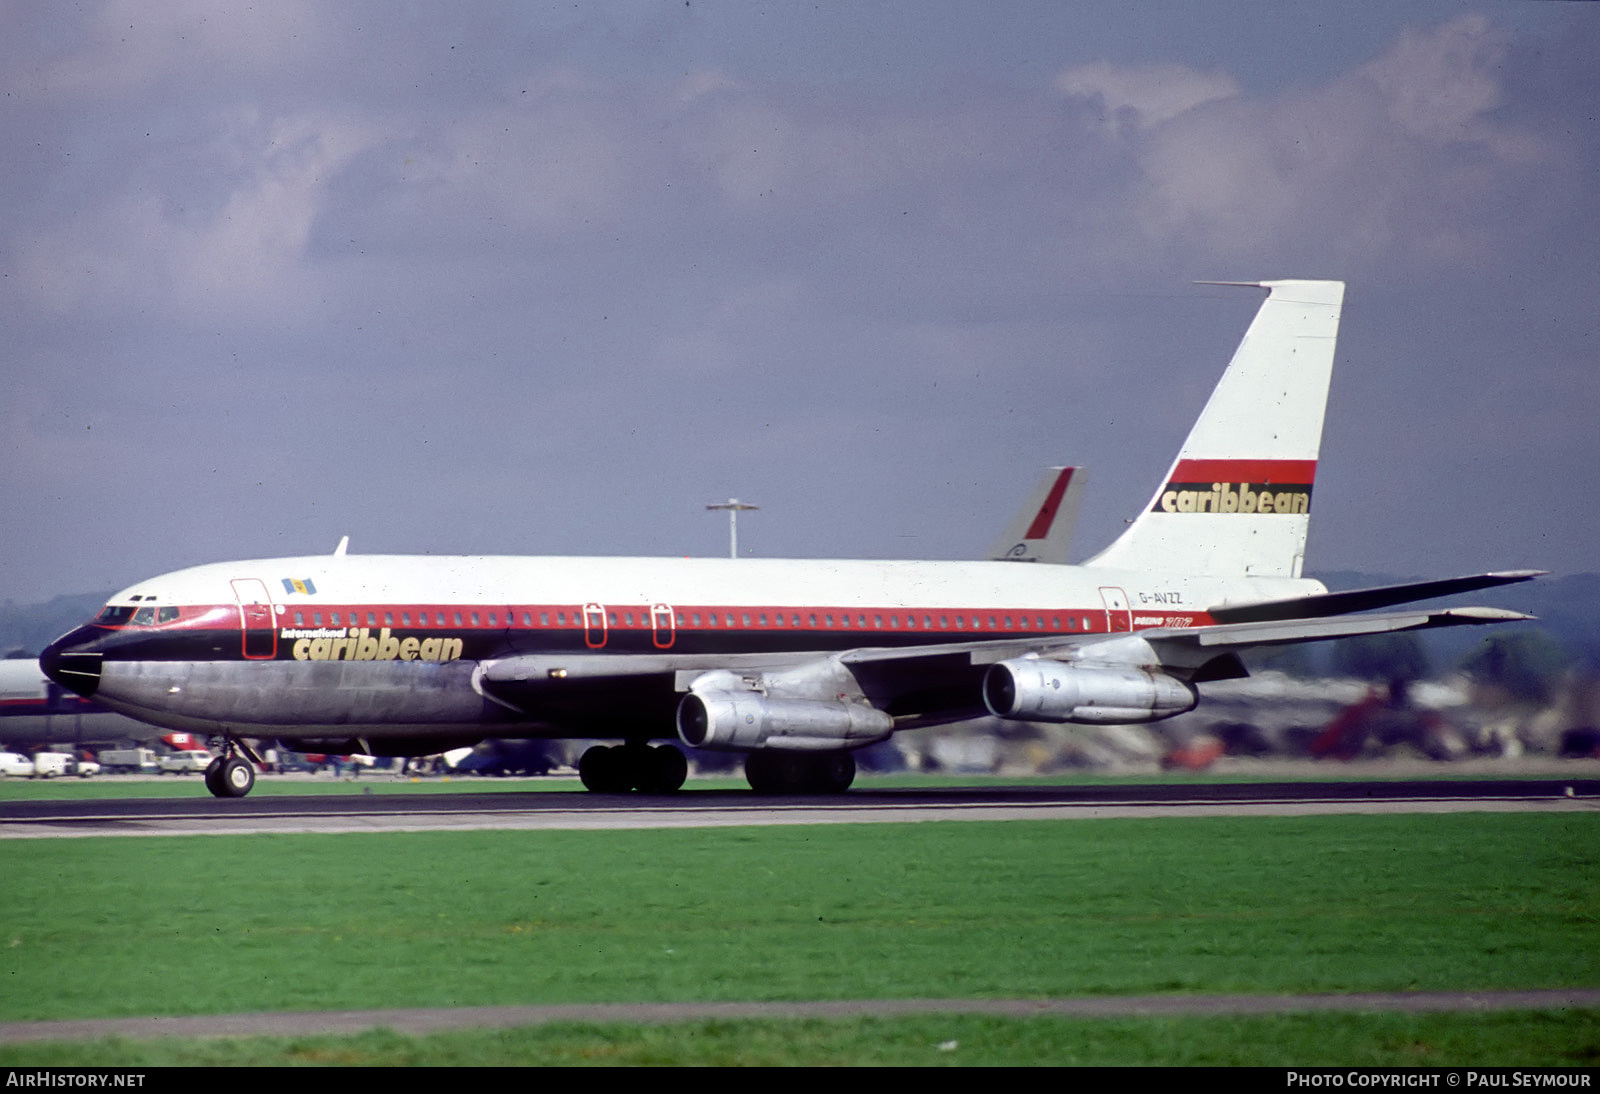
[547, 278]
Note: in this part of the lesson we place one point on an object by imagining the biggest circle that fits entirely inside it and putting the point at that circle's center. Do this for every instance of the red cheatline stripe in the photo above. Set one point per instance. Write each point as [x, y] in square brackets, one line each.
[1046, 515]
[1283, 472]
[715, 619]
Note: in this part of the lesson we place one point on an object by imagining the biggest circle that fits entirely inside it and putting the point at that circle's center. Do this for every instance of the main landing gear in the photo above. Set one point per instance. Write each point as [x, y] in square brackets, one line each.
[773, 772]
[231, 775]
[658, 769]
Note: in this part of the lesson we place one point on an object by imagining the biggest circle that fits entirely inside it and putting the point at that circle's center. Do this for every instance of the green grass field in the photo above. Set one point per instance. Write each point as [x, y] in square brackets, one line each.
[199, 925]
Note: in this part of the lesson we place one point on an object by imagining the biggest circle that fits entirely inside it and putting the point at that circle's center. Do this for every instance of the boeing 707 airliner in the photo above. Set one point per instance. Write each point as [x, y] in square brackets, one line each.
[794, 663]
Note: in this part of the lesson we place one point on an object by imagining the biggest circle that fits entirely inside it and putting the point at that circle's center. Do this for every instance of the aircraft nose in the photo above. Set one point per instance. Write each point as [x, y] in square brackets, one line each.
[71, 667]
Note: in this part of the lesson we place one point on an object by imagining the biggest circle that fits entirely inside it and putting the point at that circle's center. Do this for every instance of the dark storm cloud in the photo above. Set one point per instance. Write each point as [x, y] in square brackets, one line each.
[534, 278]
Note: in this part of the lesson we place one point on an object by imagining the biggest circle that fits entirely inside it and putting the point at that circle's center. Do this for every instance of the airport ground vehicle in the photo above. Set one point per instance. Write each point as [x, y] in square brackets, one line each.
[186, 762]
[129, 761]
[50, 765]
[15, 765]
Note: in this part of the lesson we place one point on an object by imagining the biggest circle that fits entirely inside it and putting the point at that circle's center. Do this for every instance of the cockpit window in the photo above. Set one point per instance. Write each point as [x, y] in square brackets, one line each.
[147, 615]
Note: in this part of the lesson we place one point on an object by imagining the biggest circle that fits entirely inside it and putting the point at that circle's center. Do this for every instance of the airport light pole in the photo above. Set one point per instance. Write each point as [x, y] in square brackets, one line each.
[734, 507]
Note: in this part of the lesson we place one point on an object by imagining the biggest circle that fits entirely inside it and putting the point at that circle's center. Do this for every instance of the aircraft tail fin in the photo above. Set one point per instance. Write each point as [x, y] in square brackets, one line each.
[1237, 500]
[1042, 530]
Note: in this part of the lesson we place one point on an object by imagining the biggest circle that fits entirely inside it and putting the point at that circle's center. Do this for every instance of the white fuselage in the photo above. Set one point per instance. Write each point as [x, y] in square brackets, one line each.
[248, 647]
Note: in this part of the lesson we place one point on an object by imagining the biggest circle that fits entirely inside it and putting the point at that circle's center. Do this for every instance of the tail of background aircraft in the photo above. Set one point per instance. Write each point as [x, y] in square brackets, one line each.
[1237, 500]
[1042, 530]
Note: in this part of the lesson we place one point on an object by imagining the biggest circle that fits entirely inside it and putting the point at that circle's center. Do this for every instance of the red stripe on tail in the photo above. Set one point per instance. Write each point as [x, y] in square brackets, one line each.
[1046, 515]
[1277, 472]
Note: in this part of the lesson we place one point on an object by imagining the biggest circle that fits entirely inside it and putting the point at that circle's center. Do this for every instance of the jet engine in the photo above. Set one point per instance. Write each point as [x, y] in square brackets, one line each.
[741, 720]
[1041, 690]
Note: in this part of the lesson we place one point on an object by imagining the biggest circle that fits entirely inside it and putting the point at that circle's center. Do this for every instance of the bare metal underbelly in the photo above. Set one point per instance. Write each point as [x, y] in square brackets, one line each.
[302, 698]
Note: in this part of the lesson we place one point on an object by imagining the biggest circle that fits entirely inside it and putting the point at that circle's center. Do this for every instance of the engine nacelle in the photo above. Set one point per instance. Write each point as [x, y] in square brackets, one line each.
[742, 720]
[1041, 690]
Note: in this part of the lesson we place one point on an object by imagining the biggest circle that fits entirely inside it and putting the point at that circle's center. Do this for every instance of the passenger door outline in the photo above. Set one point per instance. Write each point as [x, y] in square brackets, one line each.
[663, 626]
[258, 622]
[594, 626]
[1118, 614]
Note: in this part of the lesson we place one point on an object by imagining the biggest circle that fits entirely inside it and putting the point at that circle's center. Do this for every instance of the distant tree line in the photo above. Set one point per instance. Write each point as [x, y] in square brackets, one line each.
[29, 628]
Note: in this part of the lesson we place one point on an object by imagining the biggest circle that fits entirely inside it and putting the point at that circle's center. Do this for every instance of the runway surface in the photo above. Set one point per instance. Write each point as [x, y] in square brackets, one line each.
[389, 807]
[425, 1020]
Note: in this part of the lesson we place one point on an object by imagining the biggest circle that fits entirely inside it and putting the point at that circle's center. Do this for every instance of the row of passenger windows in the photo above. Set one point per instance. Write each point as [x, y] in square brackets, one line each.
[878, 621]
[424, 619]
[812, 620]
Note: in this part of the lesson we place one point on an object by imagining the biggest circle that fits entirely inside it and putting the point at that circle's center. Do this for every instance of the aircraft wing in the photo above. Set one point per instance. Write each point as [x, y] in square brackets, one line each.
[916, 685]
[1219, 637]
[1196, 654]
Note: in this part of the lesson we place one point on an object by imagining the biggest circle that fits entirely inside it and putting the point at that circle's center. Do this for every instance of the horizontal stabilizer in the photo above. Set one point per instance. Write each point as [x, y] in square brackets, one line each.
[1360, 600]
[1276, 632]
